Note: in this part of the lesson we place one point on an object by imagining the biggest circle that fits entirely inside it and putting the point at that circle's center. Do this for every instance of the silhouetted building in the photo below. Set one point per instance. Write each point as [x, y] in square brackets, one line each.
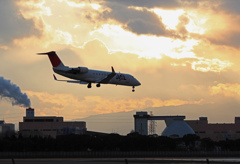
[49, 126]
[29, 112]
[176, 127]
[216, 131]
[6, 129]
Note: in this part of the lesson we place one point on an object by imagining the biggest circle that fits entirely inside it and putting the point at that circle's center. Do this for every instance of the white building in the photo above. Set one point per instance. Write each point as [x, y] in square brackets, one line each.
[176, 126]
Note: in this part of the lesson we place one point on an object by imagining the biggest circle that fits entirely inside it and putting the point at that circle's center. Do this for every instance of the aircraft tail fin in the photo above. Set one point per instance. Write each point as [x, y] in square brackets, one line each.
[53, 58]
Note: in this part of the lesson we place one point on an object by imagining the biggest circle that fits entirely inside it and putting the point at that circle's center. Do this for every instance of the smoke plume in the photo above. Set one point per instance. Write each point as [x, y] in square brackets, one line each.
[13, 93]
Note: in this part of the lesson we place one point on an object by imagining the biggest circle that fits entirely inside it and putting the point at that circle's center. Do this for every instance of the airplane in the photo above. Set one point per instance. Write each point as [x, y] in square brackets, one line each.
[83, 75]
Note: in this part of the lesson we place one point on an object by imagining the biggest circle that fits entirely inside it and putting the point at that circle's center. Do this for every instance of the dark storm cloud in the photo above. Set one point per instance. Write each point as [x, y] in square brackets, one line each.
[143, 27]
[230, 6]
[230, 39]
[148, 4]
[144, 21]
[13, 24]
[137, 21]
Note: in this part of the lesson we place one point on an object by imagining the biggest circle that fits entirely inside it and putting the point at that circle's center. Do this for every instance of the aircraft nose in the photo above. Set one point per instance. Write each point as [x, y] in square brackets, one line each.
[137, 83]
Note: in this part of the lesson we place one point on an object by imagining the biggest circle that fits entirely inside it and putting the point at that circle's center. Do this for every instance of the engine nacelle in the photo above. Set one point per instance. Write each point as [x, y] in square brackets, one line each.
[78, 70]
[83, 69]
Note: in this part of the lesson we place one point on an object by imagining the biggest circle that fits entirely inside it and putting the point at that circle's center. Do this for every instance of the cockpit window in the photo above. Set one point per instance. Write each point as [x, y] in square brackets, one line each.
[120, 77]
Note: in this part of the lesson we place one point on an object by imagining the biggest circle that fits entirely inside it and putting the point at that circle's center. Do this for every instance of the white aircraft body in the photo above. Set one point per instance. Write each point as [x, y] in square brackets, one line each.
[83, 75]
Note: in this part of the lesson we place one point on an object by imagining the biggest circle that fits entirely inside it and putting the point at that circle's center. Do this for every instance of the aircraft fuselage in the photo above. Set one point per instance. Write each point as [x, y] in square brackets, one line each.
[83, 75]
[93, 76]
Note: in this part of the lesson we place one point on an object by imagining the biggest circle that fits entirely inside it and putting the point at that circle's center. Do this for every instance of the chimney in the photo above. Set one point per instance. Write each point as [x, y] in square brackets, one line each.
[29, 112]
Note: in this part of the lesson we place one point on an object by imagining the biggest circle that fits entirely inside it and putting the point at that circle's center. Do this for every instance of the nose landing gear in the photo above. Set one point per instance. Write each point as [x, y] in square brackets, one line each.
[98, 85]
[133, 90]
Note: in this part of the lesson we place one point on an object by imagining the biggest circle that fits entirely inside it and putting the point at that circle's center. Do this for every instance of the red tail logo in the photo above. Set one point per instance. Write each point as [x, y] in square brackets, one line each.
[53, 58]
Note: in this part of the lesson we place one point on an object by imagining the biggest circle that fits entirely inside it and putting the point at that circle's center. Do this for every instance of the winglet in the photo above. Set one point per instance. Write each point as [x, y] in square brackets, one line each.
[54, 77]
[113, 70]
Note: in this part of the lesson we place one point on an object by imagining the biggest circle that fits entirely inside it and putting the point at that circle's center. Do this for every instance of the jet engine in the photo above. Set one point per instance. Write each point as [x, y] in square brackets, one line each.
[78, 70]
[83, 69]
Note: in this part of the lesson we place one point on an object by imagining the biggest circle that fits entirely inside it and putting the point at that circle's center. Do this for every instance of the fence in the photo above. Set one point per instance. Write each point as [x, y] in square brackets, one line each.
[115, 154]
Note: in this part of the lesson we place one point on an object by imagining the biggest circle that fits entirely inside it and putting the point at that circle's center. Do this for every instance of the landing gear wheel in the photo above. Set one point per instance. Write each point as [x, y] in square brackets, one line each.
[98, 85]
[133, 89]
[89, 85]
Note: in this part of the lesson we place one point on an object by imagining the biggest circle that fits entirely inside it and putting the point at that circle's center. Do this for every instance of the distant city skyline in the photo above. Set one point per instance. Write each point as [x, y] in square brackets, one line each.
[184, 53]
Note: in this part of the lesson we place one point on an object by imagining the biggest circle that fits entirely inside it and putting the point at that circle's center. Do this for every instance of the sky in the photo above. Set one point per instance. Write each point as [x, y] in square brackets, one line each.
[183, 52]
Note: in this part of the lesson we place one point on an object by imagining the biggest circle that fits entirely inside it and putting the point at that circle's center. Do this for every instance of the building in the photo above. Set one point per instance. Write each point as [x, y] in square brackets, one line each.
[176, 127]
[217, 131]
[6, 129]
[49, 125]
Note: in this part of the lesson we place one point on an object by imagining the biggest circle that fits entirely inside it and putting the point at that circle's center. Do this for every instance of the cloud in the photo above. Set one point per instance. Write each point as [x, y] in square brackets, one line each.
[88, 105]
[137, 21]
[230, 6]
[13, 25]
[186, 53]
[227, 90]
[143, 3]
[215, 21]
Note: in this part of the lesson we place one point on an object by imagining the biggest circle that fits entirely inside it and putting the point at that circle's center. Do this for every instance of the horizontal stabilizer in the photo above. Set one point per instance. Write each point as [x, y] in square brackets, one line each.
[53, 58]
[71, 81]
[47, 53]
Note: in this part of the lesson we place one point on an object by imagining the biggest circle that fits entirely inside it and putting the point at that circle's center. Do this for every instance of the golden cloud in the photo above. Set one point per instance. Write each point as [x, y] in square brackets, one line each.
[90, 105]
[227, 90]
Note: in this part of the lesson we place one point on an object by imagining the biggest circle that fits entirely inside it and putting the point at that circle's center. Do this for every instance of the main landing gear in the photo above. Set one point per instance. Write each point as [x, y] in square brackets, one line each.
[133, 90]
[98, 85]
[89, 85]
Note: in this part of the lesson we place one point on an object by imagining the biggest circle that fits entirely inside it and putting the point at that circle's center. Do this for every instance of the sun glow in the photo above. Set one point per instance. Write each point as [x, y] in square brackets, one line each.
[213, 65]
[169, 17]
[95, 6]
[196, 23]
[118, 39]
[74, 4]
[35, 9]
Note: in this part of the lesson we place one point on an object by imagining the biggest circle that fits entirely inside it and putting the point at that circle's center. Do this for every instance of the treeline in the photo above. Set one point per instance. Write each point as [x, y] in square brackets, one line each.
[114, 142]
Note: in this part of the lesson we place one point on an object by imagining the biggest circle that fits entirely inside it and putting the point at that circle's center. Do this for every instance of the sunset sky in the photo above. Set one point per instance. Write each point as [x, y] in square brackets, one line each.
[183, 52]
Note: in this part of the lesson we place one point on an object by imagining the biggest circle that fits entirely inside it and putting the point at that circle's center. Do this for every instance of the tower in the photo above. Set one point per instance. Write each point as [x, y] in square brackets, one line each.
[141, 123]
[152, 126]
[29, 112]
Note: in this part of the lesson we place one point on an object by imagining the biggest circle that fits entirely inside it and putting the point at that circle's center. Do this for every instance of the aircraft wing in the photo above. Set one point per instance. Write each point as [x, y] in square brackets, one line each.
[71, 81]
[108, 78]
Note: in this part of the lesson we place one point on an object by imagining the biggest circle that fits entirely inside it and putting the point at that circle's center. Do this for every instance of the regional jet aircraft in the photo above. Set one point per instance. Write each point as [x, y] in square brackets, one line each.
[83, 75]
